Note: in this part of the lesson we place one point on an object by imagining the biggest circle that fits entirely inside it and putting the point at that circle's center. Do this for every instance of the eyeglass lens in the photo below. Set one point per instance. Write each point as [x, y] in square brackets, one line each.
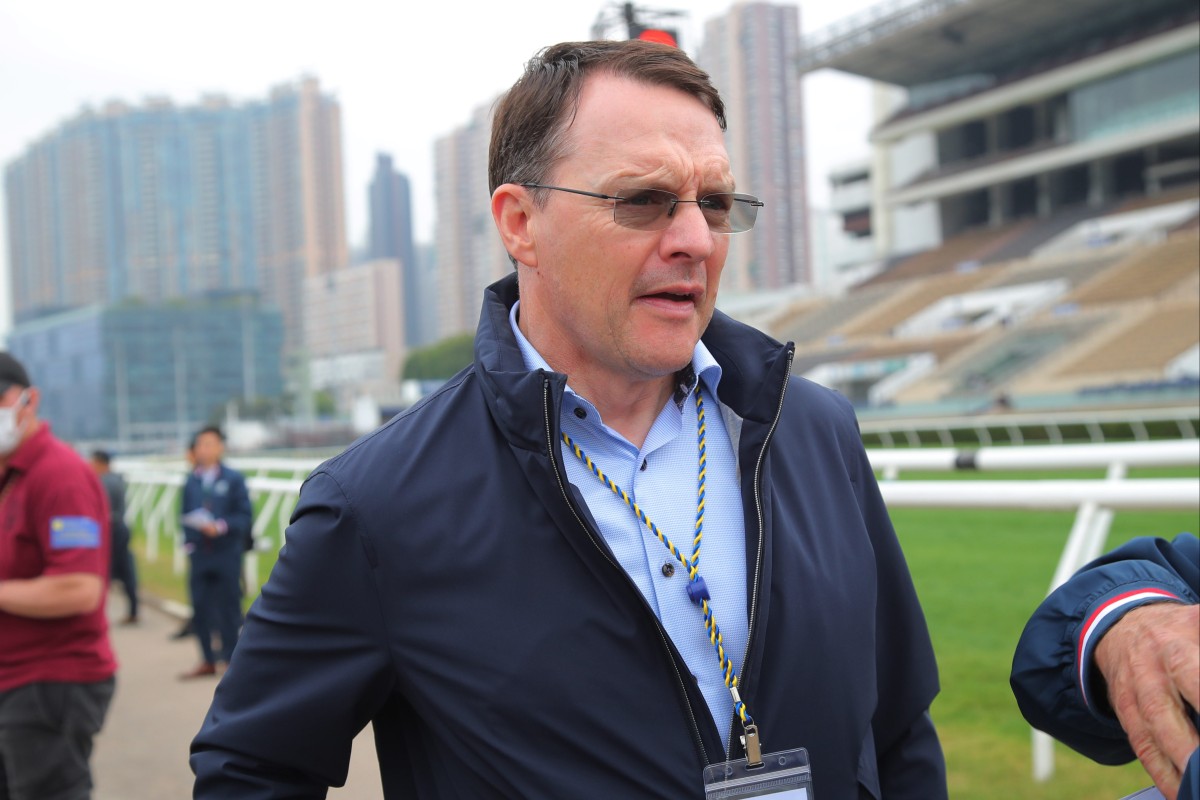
[651, 209]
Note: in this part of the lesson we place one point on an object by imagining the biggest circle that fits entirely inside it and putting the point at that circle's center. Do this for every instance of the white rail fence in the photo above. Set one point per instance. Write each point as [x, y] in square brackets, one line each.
[1050, 427]
[152, 503]
[154, 486]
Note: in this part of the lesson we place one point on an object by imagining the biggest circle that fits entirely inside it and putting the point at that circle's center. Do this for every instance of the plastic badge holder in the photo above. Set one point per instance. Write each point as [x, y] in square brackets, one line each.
[785, 775]
[1146, 794]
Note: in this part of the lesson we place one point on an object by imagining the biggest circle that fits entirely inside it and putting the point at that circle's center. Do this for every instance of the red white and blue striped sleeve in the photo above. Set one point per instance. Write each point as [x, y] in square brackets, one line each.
[1106, 614]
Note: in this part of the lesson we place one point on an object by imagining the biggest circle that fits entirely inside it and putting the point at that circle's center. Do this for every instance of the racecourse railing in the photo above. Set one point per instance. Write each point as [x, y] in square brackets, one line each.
[1065, 427]
[153, 503]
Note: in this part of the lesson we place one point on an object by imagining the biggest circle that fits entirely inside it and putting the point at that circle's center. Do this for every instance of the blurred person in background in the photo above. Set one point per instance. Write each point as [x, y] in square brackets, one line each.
[56, 662]
[124, 569]
[1109, 663]
[186, 631]
[217, 517]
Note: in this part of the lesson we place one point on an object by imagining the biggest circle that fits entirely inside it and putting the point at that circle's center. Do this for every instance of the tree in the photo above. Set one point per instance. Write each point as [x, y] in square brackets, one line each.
[440, 360]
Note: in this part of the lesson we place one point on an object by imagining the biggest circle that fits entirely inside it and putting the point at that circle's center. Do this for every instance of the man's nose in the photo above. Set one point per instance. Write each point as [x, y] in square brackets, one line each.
[688, 230]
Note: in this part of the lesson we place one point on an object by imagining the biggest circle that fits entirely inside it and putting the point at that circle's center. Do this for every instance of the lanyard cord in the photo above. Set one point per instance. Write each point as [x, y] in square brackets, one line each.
[697, 590]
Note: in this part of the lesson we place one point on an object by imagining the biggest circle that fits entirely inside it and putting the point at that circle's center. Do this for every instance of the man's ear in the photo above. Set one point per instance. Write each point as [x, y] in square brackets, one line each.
[35, 399]
[511, 208]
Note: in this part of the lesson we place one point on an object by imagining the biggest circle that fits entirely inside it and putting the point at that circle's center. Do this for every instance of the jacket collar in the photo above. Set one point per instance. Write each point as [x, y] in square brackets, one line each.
[754, 367]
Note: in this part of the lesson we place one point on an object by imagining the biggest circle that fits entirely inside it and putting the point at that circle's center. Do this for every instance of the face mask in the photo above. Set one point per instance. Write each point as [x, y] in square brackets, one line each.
[10, 431]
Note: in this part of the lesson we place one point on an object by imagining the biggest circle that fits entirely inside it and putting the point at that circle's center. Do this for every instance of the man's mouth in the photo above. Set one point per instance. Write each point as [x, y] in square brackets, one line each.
[674, 297]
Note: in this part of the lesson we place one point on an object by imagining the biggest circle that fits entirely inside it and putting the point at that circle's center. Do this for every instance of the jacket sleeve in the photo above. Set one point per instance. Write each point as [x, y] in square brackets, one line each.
[311, 669]
[1056, 685]
[189, 502]
[908, 754]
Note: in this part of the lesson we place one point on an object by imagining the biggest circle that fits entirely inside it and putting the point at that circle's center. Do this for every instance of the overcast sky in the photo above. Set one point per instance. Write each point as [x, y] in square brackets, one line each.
[405, 72]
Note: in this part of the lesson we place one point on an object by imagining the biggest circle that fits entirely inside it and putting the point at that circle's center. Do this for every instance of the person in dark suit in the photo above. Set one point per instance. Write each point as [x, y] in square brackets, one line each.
[123, 567]
[185, 630]
[216, 524]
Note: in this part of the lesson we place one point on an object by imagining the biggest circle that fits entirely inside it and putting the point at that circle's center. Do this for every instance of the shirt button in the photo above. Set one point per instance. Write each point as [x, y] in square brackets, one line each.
[668, 569]
[644, 464]
[579, 412]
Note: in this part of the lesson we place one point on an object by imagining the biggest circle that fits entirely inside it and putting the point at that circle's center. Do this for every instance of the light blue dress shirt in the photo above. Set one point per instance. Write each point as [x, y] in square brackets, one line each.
[661, 478]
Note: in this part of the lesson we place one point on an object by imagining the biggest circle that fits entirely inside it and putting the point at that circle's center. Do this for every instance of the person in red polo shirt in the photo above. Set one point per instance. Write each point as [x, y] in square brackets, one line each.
[56, 663]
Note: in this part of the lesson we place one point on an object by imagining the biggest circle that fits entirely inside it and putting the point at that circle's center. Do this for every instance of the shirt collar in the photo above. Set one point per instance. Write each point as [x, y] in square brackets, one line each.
[208, 475]
[703, 366]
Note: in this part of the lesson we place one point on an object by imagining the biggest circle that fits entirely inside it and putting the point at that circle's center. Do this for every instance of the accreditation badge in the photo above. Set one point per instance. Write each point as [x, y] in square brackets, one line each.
[785, 775]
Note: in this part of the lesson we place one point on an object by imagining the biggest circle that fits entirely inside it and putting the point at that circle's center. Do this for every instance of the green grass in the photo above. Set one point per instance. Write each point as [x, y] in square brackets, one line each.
[979, 574]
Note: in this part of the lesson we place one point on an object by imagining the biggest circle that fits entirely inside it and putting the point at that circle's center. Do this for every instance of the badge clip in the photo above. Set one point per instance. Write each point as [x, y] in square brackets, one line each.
[753, 747]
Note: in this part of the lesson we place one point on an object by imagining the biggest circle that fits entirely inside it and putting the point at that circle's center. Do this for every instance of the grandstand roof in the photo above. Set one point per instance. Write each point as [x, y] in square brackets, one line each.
[910, 43]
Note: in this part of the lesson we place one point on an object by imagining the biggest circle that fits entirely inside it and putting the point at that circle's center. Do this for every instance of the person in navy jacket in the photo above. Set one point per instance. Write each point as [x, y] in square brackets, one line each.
[1110, 662]
[468, 580]
[217, 516]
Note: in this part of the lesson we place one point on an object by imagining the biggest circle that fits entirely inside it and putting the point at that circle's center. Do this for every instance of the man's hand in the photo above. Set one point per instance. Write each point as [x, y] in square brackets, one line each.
[1151, 661]
[211, 530]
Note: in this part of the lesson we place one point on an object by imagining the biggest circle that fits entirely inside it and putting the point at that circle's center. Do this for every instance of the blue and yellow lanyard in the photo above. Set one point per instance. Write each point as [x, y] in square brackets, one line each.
[696, 588]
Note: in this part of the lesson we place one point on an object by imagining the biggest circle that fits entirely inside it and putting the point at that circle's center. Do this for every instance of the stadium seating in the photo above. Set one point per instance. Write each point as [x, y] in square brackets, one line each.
[965, 251]
[1146, 273]
[1036, 233]
[1129, 277]
[908, 298]
[1074, 268]
[988, 365]
[1143, 346]
[809, 323]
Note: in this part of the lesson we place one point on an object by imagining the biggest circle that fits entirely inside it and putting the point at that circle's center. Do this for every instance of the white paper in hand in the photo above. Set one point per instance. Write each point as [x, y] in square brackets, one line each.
[198, 518]
[1146, 794]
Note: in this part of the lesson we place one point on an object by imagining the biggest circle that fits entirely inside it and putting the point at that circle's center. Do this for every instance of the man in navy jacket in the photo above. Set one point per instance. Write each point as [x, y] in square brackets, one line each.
[216, 528]
[1110, 661]
[465, 580]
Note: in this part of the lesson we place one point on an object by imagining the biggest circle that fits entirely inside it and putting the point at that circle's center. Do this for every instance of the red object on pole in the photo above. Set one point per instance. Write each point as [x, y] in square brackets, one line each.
[658, 35]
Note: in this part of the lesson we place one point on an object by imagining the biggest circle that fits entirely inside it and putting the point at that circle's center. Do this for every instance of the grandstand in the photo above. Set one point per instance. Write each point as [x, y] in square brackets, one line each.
[1152, 272]
[1035, 208]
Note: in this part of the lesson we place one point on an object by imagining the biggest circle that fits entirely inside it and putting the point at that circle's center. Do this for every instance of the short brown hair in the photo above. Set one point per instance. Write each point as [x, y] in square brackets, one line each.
[531, 120]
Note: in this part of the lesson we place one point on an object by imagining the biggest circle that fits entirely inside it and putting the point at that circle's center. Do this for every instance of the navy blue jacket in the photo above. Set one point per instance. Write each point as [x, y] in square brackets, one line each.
[443, 580]
[227, 499]
[1053, 677]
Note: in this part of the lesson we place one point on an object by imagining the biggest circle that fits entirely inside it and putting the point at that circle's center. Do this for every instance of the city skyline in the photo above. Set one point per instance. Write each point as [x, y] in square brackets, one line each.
[48, 71]
[160, 202]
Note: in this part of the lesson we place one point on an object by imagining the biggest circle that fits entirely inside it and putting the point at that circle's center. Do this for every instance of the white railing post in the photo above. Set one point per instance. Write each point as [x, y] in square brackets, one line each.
[250, 572]
[1043, 756]
[265, 514]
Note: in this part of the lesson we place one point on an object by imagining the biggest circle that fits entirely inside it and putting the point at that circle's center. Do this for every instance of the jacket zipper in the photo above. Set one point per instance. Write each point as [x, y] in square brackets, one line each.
[762, 535]
[551, 449]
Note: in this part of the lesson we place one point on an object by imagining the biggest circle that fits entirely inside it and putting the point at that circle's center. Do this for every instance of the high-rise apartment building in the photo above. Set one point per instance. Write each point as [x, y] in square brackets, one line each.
[469, 253]
[354, 328]
[160, 201]
[750, 53]
[391, 237]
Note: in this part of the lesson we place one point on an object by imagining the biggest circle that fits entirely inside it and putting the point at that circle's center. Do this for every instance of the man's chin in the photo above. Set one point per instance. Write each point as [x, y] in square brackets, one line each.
[662, 363]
